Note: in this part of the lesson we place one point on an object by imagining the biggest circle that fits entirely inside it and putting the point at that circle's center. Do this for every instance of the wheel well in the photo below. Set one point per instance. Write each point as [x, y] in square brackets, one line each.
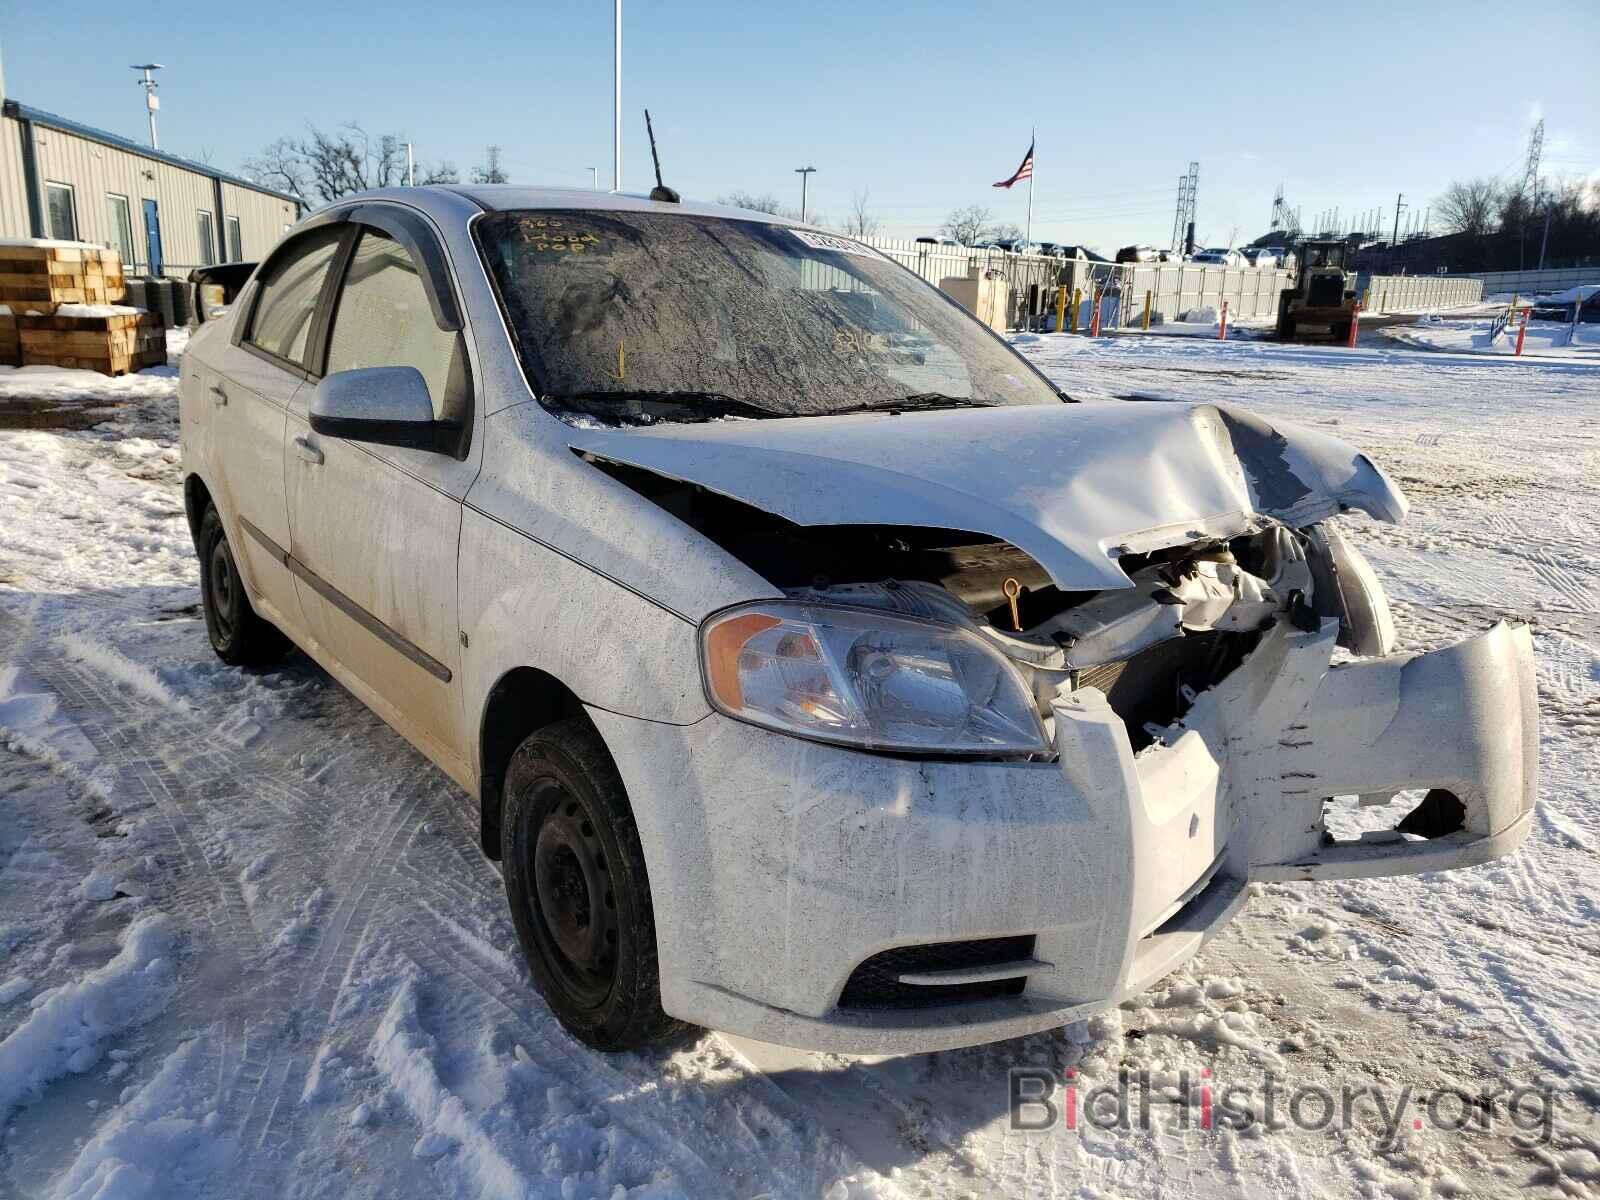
[195, 498]
[524, 701]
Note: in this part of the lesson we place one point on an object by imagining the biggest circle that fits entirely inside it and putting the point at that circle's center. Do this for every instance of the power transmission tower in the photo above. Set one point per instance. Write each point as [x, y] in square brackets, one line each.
[1183, 220]
[1530, 173]
[1530, 184]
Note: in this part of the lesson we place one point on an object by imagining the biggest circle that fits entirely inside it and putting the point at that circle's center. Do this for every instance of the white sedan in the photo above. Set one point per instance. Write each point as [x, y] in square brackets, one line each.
[817, 670]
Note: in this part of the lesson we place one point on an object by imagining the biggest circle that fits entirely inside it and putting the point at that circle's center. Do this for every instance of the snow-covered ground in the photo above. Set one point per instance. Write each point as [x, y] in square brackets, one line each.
[248, 947]
[1544, 339]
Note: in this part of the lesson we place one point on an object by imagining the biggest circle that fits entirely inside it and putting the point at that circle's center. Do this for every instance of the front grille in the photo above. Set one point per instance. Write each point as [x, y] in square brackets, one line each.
[1325, 291]
[1148, 688]
[875, 983]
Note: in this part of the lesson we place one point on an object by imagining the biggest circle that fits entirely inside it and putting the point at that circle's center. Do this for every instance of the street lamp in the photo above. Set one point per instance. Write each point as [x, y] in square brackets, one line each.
[805, 177]
[616, 104]
[152, 102]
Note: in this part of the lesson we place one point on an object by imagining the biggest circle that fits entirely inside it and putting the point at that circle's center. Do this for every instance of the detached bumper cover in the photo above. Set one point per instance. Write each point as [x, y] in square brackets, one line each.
[778, 866]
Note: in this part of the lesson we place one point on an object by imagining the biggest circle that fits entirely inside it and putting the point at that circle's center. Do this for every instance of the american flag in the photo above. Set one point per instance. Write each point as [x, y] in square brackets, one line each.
[1025, 171]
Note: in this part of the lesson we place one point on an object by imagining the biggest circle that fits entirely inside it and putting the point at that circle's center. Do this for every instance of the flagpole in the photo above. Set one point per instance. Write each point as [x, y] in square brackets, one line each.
[1027, 236]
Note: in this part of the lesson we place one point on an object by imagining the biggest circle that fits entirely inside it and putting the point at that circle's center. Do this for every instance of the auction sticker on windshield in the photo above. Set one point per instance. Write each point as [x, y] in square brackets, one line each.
[839, 245]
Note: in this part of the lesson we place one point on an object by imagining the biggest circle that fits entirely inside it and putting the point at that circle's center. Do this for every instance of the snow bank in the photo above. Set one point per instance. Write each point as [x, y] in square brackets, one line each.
[163, 1142]
[404, 1052]
[67, 1027]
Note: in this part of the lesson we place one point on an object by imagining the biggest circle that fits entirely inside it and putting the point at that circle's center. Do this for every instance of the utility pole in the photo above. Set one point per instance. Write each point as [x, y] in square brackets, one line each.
[805, 177]
[594, 178]
[411, 167]
[1399, 203]
[152, 102]
[616, 108]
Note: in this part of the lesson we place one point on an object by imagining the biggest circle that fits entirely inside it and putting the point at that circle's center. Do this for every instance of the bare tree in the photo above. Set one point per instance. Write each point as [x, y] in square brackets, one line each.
[1003, 231]
[1468, 206]
[860, 222]
[967, 225]
[331, 165]
[281, 166]
[490, 171]
[766, 202]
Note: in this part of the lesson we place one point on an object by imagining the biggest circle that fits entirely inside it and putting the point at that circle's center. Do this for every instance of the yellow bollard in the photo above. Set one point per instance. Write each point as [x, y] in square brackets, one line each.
[1061, 310]
[1147, 296]
[1077, 303]
[1366, 297]
[1511, 313]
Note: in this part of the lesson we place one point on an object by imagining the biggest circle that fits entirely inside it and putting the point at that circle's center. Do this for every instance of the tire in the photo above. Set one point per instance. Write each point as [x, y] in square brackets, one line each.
[579, 894]
[239, 637]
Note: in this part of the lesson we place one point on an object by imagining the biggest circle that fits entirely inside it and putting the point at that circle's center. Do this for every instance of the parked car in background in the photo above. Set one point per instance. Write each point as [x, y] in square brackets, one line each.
[1218, 256]
[916, 708]
[1264, 256]
[1138, 254]
[1559, 307]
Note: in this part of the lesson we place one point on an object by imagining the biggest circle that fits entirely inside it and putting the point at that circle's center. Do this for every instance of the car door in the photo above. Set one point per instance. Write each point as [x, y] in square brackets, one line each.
[374, 529]
[248, 385]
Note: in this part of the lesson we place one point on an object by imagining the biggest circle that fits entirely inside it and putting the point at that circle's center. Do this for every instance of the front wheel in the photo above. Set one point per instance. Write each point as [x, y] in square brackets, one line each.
[238, 635]
[580, 898]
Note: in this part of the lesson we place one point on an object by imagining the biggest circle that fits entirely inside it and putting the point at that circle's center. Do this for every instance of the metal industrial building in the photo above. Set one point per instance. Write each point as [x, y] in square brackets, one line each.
[165, 215]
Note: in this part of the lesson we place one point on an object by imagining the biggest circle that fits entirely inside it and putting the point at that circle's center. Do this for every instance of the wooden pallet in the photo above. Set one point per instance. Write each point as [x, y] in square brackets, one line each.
[39, 277]
[111, 345]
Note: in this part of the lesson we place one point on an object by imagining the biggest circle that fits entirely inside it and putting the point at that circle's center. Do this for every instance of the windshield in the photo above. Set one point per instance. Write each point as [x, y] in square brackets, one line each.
[641, 317]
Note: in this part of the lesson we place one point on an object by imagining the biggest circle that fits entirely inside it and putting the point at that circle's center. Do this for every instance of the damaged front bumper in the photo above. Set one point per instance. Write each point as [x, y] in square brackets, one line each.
[782, 870]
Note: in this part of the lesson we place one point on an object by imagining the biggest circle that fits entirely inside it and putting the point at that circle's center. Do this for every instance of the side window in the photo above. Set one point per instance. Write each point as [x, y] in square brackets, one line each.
[288, 302]
[382, 319]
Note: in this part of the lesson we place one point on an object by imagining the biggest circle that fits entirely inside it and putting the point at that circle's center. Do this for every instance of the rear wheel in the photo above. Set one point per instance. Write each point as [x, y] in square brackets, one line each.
[580, 898]
[238, 635]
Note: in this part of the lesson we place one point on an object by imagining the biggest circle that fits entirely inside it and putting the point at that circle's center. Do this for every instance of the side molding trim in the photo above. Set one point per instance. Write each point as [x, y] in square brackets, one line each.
[349, 607]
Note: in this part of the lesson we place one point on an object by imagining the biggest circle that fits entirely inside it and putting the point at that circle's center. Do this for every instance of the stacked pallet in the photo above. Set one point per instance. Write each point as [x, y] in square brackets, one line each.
[10, 345]
[112, 341]
[62, 297]
[37, 275]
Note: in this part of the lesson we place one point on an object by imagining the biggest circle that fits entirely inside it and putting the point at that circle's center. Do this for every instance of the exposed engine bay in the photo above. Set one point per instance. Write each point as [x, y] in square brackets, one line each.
[1192, 615]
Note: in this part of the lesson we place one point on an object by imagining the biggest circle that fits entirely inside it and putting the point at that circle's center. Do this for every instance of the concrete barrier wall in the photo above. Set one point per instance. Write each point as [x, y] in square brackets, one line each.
[1528, 283]
[1420, 293]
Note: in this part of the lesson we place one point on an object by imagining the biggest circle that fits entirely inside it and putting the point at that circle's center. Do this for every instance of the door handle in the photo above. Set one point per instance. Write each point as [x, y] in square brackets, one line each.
[308, 452]
[219, 396]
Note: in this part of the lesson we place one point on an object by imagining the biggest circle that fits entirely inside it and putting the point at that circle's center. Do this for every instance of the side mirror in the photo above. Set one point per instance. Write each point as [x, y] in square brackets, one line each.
[389, 406]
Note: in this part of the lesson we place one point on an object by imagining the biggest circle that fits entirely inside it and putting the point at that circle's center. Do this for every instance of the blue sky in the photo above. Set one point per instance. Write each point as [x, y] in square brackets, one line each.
[922, 105]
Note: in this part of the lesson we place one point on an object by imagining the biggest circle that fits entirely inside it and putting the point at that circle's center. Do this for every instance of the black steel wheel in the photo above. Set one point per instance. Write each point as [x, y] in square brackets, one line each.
[238, 635]
[578, 890]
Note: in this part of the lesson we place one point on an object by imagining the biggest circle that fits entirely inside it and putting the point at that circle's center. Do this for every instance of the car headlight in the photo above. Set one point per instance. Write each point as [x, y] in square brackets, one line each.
[868, 678]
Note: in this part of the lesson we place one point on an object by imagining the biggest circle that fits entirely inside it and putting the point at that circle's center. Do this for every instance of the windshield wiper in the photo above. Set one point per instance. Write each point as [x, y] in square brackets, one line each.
[672, 406]
[916, 402]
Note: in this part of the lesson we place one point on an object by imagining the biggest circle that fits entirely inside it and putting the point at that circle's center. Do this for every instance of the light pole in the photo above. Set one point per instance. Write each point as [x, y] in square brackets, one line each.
[411, 167]
[152, 102]
[616, 106]
[805, 178]
[594, 178]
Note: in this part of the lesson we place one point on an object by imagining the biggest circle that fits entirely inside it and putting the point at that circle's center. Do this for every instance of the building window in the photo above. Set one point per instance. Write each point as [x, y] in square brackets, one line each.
[63, 211]
[208, 239]
[235, 241]
[121, 217]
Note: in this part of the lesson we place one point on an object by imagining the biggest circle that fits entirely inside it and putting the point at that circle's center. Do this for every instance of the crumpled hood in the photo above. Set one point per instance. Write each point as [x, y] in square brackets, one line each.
[1074, 486]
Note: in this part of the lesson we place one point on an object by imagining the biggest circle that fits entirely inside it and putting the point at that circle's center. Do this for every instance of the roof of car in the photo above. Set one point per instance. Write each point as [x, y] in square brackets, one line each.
[498, 197]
